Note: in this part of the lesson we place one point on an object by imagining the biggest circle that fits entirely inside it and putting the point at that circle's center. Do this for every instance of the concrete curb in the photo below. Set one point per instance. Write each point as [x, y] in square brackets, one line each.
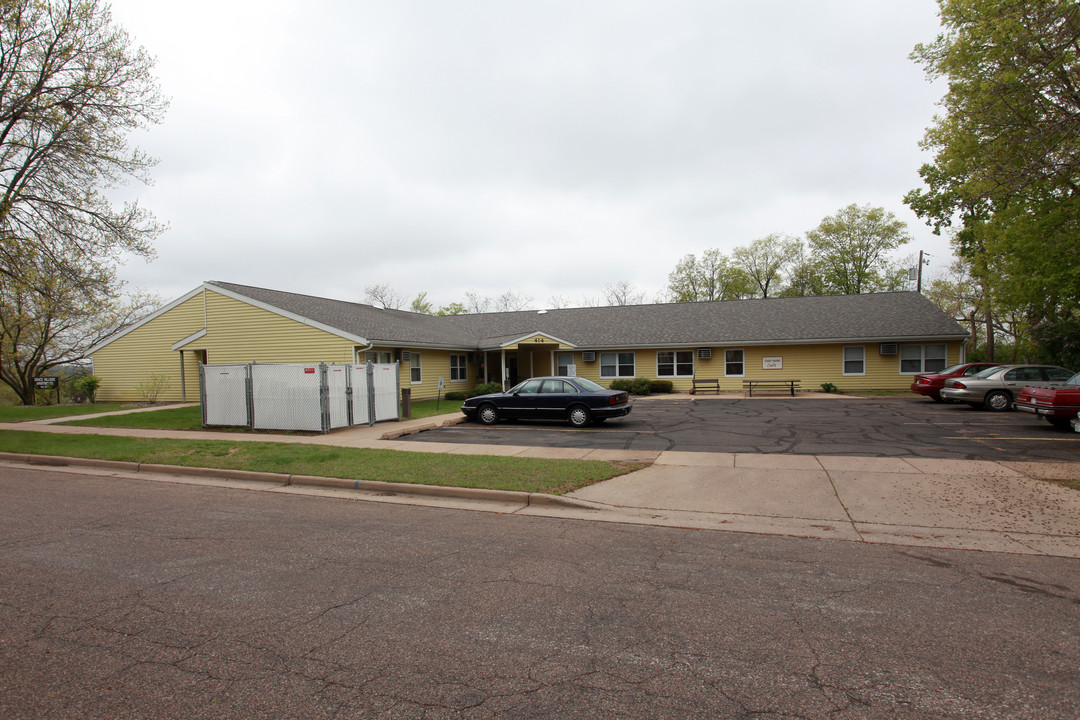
[283, 479]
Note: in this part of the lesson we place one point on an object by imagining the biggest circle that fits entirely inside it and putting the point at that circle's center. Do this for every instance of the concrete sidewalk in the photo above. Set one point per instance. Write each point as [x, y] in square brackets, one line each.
[973, 505]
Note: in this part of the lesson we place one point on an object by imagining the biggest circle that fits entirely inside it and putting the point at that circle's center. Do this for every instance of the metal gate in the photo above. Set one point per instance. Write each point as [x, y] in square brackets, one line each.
[314, 397]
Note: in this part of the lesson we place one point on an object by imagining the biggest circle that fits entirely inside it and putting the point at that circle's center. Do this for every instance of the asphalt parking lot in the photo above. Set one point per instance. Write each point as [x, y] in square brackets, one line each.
[885, 427]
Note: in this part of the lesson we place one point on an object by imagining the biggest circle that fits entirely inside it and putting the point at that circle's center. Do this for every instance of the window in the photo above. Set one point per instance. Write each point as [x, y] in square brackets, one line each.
[557, 387]
[617, 365]
[675, 363]
[855, 360]
[734, 365]
[415, 374]
[922, 358]
[563, 361]
[379, 356]
[459, 368]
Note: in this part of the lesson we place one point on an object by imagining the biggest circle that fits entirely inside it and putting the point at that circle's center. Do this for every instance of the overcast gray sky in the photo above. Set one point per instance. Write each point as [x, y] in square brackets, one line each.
[548, 148]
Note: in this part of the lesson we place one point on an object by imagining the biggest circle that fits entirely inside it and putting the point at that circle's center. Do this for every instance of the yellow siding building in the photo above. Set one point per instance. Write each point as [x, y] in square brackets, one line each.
[852, 341]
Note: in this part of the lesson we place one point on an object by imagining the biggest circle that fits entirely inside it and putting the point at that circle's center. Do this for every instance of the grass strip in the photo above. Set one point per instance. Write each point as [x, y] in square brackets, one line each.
[190, 418]
[473, 471]
[22, 413]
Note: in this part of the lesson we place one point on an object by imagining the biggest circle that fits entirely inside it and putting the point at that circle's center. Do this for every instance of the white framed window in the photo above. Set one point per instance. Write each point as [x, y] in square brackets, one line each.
[734, 363]
[617, 365]
[922, 358]
[675, 363]
[563, 361]
[854, 360]
[416, 375]
[459, 368]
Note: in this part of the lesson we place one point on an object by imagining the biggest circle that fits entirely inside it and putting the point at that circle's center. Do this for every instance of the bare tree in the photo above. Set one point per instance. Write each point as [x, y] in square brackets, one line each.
[384, 296]
[510, 301]
[622, 293]
[72, 89]
[475, 302]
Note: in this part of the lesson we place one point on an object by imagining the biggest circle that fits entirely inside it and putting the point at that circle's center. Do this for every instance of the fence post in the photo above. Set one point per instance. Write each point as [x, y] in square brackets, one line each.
[348, 396]
[406, 403]
[324, 398]
[369, 372]
[202, 392]
[249, 396]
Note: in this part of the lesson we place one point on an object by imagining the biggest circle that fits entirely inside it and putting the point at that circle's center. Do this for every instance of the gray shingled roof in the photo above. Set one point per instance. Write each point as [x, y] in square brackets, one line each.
[880, 316]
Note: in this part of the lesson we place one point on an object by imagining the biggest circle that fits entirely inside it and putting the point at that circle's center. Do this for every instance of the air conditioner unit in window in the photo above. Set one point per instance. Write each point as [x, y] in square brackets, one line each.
[704, 353]
[588, 356]
[406, 356]
[887, 349]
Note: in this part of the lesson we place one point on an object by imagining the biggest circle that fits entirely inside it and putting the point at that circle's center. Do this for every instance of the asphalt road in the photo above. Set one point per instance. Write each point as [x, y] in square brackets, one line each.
[133, 599]
[888, 427]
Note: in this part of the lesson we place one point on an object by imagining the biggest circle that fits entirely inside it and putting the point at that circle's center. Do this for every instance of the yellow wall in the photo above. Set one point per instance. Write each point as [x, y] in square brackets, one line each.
[812, 365]
[235, 332]
[433, 365]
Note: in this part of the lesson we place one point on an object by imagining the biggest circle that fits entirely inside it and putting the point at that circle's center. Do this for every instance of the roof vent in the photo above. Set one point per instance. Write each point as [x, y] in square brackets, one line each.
[704, 353]
[588, 356]
[541, 312]
[887, 349]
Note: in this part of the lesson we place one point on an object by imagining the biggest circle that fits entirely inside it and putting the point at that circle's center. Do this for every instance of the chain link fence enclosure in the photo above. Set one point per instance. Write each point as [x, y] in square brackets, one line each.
[224, 391]
[308, 397]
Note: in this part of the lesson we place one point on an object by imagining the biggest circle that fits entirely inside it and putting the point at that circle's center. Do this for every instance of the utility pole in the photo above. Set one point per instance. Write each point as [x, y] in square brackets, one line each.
[918, 281]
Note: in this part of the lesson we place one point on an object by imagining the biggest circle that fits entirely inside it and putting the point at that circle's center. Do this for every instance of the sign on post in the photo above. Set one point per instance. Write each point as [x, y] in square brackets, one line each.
[48, 383]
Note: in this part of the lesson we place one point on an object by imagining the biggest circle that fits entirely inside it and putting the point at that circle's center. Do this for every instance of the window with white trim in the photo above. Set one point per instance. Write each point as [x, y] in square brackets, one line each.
[617, 365]
[854, 360]
[416, 375]
[675, 363]
[563, 361]
[459, 368]
[922, 358]
[734, 363]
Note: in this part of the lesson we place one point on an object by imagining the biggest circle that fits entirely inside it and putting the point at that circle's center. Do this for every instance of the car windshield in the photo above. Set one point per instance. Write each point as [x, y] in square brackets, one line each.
[988, 371]
[1074, 380]
[588, 385]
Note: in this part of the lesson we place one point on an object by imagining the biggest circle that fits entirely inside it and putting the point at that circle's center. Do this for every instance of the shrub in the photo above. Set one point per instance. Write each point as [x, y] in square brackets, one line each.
[485, 389]
[624, 385]
[454, 395]
[661, 386]
[640, 386]
[829, 387]
[85, 387]
[152, 387]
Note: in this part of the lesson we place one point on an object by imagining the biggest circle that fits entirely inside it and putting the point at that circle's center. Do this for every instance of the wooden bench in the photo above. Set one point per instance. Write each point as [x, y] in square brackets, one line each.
[705, 385]
[770, 385]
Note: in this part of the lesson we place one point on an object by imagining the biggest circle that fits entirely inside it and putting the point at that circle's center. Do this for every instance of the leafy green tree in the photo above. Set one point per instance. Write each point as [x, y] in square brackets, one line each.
[765, 260]
[851, 249]
[1005, 178]
[454, 308]
[711, 277]
[72, 89]
[421, 304]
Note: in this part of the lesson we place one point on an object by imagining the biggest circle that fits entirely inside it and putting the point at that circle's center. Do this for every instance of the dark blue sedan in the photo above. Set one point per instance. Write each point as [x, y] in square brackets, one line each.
[576, 400]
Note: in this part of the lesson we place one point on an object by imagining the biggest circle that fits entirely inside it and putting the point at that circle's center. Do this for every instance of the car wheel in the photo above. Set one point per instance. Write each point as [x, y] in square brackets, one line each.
[998, 401]
[488, 414]
[579, 416]
[937, 398]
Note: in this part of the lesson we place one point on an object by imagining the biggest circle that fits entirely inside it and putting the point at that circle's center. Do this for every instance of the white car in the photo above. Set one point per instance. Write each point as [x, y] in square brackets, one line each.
[996, 388]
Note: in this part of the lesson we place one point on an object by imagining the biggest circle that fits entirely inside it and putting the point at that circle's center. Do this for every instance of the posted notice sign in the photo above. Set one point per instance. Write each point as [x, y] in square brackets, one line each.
[46, 383]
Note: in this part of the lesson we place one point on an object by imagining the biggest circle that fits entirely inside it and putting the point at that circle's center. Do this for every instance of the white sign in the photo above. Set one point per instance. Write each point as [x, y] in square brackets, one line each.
[772, 363]
[441, 383]
[571, 370]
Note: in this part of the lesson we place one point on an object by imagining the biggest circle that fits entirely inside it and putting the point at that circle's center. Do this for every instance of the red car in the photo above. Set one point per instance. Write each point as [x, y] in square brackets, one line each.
[930, 384]
[1057, 404]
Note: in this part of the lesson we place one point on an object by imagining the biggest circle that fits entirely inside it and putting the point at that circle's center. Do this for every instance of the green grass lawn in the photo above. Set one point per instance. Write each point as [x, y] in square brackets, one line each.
[20, 413]
[472, 471]
[190, 418]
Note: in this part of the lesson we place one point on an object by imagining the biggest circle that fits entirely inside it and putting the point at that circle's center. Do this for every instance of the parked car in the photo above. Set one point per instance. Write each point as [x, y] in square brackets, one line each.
[996, 387]
[577, 400]
[1057, 404]
[930, 384]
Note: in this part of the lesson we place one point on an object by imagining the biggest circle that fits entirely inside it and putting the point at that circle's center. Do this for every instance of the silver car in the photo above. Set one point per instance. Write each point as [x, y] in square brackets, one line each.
[995, 388]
